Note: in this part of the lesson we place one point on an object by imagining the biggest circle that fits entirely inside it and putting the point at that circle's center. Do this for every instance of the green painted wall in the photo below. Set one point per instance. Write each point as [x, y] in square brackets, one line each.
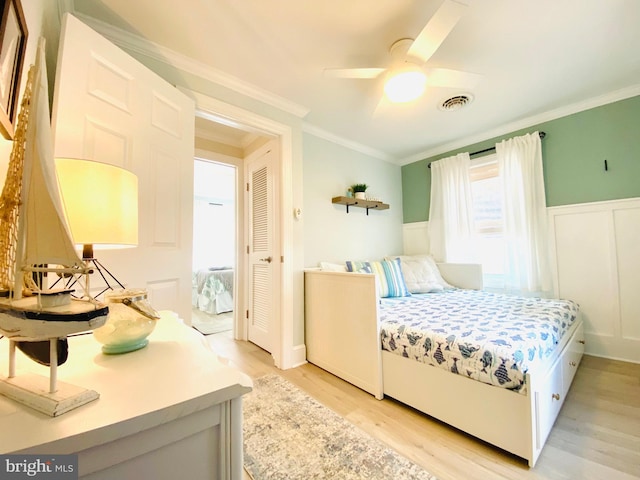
[573, 153]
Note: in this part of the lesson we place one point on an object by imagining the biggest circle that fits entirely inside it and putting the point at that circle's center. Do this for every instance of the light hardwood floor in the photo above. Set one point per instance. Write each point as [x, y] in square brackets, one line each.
[596, 436]
[208, 323]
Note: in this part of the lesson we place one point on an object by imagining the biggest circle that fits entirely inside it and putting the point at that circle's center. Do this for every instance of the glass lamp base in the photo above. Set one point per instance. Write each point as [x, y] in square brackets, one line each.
[129, 323]
[125, 347]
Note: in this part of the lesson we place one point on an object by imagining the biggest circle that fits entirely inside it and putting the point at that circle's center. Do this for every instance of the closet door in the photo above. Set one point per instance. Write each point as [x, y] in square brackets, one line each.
[110, 108]
[263, 249]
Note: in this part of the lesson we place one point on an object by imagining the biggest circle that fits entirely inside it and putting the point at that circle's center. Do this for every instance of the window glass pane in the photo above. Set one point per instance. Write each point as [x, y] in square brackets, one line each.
[487, 205]
[486, 188]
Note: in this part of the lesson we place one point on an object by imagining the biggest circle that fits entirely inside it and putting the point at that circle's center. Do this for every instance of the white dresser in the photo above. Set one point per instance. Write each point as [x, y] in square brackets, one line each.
[170, 410]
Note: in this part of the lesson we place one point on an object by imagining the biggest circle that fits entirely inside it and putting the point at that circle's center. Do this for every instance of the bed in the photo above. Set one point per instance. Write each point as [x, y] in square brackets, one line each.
[353, 333]
[212, 290]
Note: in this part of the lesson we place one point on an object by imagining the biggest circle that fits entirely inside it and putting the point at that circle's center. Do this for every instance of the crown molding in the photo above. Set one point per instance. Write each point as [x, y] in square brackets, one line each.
[577, 107]
[65, 6]
[358, 147]
[137, 44]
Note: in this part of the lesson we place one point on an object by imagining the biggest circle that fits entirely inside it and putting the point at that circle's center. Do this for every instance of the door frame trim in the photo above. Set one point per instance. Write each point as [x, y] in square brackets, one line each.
[222, 112]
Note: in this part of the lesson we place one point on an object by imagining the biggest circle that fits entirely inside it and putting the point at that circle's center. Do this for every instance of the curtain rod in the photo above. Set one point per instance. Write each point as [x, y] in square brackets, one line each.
[490, 149]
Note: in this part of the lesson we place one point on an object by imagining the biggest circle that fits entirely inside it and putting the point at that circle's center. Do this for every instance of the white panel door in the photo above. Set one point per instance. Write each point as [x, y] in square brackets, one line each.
[263, 248]
[110, 108]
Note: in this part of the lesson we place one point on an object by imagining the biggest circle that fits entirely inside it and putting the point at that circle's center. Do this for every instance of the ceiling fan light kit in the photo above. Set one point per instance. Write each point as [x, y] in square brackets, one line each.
[405, 84]
[409, 72]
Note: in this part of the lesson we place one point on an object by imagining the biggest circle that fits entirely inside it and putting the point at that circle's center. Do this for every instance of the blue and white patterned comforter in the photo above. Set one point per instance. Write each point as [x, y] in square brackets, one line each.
[488, 337]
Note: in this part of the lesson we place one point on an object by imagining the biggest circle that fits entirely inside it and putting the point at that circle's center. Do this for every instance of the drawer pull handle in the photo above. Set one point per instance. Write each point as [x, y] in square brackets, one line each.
[555, 396]
[581, 341]
[573, 364]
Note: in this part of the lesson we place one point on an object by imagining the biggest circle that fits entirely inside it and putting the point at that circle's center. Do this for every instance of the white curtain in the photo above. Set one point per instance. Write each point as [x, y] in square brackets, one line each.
[450, 212]
[525, 215]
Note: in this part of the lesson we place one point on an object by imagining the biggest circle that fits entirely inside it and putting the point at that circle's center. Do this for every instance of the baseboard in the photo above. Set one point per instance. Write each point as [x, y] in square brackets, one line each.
[612, 348]
[298, 355]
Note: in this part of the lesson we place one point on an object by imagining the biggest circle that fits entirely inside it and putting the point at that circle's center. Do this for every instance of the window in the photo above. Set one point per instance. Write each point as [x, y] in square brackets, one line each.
[486, 189]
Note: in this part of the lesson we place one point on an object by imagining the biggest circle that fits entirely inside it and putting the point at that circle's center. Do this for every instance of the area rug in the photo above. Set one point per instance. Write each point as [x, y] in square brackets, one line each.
[289, 436]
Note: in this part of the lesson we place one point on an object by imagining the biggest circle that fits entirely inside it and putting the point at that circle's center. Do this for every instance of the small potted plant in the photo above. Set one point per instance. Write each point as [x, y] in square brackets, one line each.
[358, 190]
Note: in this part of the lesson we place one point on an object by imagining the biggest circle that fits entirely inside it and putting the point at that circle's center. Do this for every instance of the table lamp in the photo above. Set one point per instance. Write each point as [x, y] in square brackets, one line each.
[101, 204]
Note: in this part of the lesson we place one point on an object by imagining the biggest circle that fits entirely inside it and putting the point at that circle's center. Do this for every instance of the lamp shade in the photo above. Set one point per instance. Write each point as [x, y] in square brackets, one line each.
[100, 201]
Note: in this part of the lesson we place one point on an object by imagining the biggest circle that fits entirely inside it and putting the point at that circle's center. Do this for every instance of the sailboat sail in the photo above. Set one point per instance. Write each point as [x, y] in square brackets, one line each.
[47, 237]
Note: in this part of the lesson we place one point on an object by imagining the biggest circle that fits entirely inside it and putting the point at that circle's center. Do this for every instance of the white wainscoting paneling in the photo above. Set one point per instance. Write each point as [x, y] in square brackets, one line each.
[596, 258]
[585, 272]
[627, 227]
[415, 238]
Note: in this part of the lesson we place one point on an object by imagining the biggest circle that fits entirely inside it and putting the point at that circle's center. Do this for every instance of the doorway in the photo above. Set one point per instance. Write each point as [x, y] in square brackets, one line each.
[286, 353]
[214, 246]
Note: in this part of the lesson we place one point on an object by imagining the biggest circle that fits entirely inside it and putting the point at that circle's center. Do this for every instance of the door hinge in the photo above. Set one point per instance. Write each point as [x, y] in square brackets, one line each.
[247, 314]
[281, 258]
[247, 249]
[247, 186]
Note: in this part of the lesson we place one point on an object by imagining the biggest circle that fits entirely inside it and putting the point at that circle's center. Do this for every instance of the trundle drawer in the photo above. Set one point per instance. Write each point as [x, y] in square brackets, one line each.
[571, 358]
[548, 402]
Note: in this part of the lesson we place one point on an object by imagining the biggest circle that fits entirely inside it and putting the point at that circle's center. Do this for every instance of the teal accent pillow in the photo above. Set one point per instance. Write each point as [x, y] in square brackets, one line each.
[389, 279]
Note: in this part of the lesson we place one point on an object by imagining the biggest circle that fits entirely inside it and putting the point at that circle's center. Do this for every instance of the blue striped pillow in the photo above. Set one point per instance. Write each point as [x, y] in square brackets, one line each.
[390, 279]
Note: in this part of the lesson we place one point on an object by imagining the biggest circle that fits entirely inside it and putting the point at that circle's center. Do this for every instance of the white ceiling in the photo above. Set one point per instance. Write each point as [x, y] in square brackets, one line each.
[538, 58]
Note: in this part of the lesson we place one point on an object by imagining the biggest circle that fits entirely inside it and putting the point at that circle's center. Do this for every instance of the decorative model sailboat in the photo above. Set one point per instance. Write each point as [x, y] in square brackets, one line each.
[34, 239]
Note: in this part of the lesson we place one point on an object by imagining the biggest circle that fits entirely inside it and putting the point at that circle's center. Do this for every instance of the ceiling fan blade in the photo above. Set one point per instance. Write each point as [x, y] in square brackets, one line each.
[436, 30]
[445, 77]
[353, 72]
[383, 107]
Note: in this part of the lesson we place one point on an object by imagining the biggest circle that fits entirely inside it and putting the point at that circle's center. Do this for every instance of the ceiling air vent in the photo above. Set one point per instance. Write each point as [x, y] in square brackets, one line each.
[456, 102]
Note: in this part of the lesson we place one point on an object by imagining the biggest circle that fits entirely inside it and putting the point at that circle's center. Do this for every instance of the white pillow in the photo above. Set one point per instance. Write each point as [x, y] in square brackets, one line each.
[333, 267]
[421, 274]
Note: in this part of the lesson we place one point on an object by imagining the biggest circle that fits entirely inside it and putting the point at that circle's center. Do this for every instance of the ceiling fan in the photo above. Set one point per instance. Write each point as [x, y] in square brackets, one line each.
[408, 76]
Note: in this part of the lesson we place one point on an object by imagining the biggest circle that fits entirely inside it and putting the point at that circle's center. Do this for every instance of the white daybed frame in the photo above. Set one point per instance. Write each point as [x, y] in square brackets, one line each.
[342, 336]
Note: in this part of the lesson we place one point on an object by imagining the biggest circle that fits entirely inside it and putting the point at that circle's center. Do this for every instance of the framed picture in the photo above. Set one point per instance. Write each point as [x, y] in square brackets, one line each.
[13, 43]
